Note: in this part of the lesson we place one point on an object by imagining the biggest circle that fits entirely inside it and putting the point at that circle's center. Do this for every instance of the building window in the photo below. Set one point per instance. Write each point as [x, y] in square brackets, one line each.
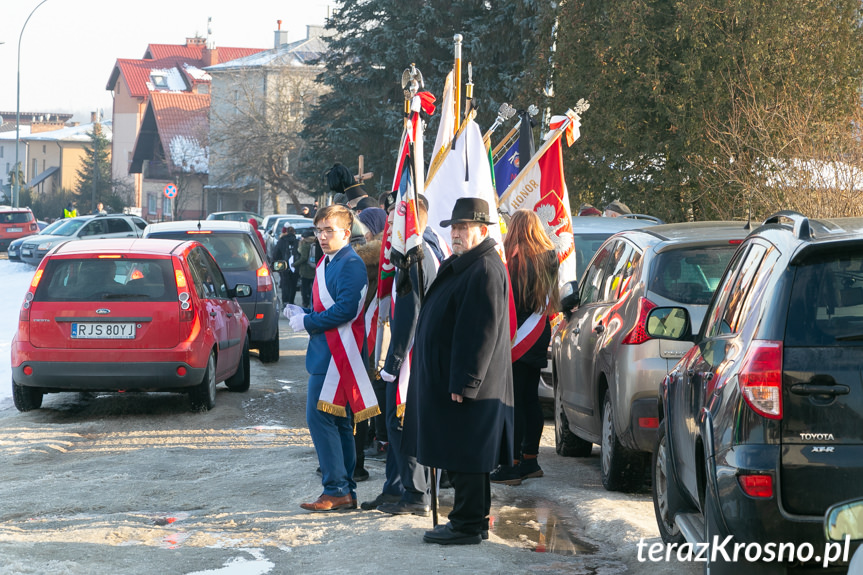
[159, 80]
[166, 208]
[44, 148]
[33, 174]
[43, 165]
[2, 149]
[151, 204]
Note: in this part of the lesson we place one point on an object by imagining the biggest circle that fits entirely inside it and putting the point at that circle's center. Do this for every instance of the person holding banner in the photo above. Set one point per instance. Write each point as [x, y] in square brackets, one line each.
[532, 264]
[339, 391]
[459, 412]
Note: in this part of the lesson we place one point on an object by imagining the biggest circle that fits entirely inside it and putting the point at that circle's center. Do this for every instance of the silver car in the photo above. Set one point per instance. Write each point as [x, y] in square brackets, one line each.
[588, 233]
[606, 370]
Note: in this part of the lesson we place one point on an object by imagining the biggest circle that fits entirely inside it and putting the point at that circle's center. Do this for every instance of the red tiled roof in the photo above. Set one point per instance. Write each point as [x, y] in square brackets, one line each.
[166, 56]
[195, 52]
[181, 114]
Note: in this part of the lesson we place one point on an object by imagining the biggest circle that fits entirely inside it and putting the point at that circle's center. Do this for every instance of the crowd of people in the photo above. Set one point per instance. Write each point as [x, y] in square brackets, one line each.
[453, 389]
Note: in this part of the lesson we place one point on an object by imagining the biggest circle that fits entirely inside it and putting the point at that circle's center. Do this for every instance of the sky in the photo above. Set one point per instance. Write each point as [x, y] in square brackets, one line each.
[69, 47]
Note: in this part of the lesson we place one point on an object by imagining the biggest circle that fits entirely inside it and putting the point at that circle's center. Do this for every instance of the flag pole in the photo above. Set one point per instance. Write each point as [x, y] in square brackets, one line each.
[457, 39]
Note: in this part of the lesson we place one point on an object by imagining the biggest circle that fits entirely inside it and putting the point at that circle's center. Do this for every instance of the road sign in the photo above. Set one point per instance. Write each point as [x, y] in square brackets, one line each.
[170, 191]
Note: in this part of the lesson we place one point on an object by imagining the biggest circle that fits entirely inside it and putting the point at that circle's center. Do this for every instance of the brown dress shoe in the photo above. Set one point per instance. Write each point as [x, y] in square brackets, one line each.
[330, 503]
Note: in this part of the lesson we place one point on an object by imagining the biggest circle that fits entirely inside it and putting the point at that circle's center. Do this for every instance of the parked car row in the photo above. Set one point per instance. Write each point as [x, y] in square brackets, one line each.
[151, 313]
[735, 356]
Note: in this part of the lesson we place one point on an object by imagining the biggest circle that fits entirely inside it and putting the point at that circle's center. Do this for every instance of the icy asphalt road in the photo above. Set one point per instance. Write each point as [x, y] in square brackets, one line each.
[138, 484]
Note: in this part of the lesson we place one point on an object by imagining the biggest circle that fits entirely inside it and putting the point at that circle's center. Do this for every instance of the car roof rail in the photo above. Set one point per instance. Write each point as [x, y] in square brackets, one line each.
[801, 228]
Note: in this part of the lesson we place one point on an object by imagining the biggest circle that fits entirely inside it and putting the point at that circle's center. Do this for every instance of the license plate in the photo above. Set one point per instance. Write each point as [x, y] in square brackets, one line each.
[26, 252]
[103, 331]
[14, 229]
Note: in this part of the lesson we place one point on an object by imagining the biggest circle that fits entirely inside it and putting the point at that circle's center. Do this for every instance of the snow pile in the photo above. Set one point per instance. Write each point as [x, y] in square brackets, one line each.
[173, 80]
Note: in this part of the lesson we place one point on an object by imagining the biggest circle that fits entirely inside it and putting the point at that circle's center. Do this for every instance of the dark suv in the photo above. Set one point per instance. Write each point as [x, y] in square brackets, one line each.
[763, 418]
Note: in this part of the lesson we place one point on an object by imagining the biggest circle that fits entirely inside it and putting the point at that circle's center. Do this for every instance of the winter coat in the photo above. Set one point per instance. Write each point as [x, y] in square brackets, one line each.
[463, 346]
[286, 247]
[537, 355]
[306, 266]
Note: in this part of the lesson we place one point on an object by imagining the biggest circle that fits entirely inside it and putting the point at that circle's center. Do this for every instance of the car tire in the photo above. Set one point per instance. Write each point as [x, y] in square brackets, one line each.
[566, 443]
[268, 352]
[621, 469]
[26, 398]
[242, 377]
[666, 493]
[203, 395]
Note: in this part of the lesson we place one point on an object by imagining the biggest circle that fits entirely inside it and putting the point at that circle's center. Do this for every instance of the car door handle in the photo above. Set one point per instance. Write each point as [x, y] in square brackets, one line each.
[599, 328]
[816, 389]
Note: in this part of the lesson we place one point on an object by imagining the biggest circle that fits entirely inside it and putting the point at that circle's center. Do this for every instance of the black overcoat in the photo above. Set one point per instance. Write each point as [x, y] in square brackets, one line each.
[463, 346]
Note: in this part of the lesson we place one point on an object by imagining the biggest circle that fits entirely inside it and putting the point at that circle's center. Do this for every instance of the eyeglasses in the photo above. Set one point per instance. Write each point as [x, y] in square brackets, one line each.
[327, 232]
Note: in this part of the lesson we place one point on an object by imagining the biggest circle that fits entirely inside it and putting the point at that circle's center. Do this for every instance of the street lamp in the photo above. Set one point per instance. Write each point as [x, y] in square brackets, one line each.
[17, 187]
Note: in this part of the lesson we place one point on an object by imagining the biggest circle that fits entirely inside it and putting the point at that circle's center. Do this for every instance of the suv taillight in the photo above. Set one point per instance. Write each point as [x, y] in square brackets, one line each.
[265, 280]
[187, 311]
[638, 334]
[760, 378]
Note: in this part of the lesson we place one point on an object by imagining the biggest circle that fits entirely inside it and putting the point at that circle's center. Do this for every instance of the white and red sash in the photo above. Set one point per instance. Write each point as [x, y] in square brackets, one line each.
[346, 381]
[527, 334]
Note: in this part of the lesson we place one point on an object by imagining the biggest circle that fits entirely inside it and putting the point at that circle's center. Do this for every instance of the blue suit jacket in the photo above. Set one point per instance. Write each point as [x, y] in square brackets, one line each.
[345, 278]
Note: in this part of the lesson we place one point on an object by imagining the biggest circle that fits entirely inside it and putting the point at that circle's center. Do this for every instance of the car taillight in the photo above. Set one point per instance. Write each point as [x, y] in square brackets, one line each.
[187, 312]
[757, 485]
[760, 378]
[265, 280]
[638, 334]
[34, 227]
[24, 315]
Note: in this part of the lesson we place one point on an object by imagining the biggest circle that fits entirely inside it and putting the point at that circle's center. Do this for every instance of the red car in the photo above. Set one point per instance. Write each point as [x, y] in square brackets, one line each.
[16, 223]
[130, 315]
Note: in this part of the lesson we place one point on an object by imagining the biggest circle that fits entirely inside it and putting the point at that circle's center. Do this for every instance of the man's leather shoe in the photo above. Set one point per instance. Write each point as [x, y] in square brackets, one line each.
[404, 508]
[446, 535]
[330, 503]
[380, 500]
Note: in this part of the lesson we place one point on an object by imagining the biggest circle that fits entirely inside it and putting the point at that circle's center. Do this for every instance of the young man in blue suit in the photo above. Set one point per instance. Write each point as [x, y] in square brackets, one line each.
[339, 390]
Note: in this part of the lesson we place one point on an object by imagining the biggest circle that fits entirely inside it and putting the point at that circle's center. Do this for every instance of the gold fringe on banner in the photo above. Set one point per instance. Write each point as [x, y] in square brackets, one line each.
[367, 413]
[328, 407]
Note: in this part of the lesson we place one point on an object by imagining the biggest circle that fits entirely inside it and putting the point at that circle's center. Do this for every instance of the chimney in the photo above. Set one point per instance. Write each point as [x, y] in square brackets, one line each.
[196, 41]
[281, 36]
[210, 57]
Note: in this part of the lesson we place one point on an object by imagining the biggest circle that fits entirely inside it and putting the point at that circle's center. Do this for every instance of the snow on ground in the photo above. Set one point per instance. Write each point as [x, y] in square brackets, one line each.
[16, 278]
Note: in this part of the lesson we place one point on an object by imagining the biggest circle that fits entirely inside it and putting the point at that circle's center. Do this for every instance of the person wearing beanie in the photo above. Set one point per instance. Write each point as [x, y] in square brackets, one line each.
[374, 219]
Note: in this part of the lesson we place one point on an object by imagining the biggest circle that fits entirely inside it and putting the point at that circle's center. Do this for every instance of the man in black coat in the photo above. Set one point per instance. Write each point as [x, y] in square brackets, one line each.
[460, 408]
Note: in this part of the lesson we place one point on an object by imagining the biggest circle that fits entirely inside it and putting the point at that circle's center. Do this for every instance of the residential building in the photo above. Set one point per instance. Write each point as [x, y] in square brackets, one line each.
[56, 156]
[279, 81]
[30, 121]
[172, 150]
[164, 68]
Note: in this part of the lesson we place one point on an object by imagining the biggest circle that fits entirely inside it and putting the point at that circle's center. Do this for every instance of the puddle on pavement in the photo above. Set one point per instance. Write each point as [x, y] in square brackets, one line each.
[540, 528]
[536, 525]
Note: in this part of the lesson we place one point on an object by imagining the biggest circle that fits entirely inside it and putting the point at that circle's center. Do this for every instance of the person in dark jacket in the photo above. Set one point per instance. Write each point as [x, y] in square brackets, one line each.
[286, 249]
[406, 489]
[462, 375]
[532, 264]
[308, 254]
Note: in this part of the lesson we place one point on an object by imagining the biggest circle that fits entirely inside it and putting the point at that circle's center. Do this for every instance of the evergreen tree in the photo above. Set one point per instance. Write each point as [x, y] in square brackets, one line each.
[374, 41]
[94, 175]
[680, 90]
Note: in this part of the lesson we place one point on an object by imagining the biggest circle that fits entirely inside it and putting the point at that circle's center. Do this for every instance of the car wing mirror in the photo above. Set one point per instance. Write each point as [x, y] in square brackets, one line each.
[844, 520]
[280, 265]
[240, 290]
[671, 323]
[569, 298]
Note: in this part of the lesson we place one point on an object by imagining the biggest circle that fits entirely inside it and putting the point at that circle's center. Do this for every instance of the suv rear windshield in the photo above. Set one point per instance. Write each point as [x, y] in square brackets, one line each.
[15, 217]
[234, 252]
[689, 275]
[827, 301]
[94, 279]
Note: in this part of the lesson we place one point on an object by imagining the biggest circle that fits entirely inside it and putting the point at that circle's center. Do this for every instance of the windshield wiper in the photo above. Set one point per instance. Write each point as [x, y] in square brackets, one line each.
[854, 337]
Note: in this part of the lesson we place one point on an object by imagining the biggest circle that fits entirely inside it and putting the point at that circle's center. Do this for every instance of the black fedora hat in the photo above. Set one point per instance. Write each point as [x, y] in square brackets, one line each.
[469, 210]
